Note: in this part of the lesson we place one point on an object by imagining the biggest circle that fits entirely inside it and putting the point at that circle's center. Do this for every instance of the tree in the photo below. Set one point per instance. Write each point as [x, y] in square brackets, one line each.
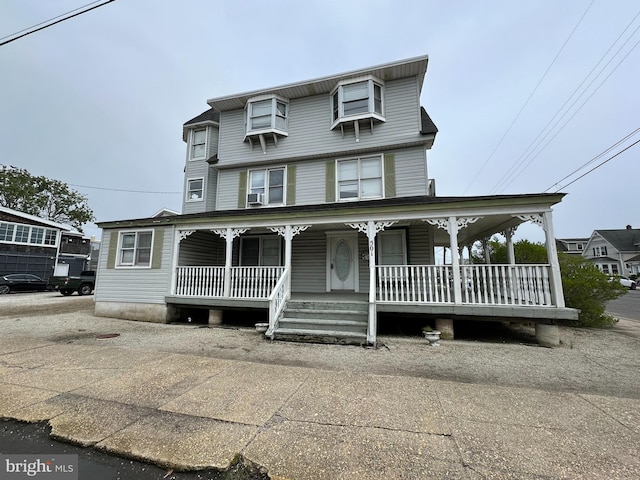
[43, 197]
[585, 287]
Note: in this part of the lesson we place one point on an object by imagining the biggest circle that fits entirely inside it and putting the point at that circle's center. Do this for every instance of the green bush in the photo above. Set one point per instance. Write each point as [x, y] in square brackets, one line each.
[588, 289]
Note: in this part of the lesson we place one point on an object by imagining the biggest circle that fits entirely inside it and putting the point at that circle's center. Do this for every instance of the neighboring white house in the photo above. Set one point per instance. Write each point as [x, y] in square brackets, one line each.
[315, 196]
[572, 246]
[615, 252]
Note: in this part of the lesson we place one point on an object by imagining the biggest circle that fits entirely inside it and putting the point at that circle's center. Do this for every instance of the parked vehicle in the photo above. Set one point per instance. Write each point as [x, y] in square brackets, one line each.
[627, 282]
[84, 284]
[21, 282]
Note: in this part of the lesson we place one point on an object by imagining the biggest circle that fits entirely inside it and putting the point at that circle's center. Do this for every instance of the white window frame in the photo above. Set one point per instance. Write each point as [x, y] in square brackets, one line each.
[49, 236]
[261, 239]
[192, 144]
[266, 188]
[387, 233]
[189, 190]
[275, 114]
[135, 249]
[338, 115]
[359, 179]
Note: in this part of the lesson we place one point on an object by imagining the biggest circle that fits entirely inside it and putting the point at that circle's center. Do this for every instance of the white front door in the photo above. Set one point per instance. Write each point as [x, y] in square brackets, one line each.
[342, 261]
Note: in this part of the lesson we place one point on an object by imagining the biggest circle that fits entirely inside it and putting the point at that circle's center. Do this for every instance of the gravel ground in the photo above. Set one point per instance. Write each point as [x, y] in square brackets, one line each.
[588, 361]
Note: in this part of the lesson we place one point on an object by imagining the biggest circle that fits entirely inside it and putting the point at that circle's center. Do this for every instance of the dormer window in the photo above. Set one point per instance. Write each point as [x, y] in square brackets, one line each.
[356, 101]
[267, 119]
[198, 146]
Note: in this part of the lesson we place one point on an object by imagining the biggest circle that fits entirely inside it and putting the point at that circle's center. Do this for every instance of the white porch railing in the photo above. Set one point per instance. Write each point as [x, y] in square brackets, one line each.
[414, 283]
[200, 281]
[480, 284]
[277, 301]
[246, 282]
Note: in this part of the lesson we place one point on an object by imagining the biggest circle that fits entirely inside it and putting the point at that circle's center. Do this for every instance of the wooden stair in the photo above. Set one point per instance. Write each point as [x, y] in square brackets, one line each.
[324, 321]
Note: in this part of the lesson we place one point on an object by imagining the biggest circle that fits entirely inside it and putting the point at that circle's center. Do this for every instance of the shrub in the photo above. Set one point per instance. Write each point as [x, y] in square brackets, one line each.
[588, 289]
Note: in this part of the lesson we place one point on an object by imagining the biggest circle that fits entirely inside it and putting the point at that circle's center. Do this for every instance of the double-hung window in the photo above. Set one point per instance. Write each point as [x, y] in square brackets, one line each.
[135, 249]
[198, 146]
[261, 251]
[357, 100]
[360, 178]
[269, 183]
[195, 189]
[392, 248]
[269, 115]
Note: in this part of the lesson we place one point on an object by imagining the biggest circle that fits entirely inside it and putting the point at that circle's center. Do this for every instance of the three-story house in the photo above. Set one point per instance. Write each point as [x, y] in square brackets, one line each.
[312, 201]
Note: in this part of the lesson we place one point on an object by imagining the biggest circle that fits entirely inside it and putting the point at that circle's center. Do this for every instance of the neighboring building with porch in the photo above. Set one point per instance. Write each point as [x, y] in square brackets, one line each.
[312, 201]
[615, 252]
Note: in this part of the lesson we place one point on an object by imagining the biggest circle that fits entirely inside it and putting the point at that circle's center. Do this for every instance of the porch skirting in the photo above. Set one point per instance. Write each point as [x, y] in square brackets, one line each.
[143, 312]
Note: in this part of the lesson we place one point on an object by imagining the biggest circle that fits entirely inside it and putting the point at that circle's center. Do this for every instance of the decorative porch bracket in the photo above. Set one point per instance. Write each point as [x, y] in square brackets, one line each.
[452, 225]
[545, 221]
[371, 229]
[182, 234]
[288, 232]
[228, 234]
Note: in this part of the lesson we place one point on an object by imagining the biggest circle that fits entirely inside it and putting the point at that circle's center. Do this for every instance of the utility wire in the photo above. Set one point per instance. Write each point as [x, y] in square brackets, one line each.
[124, 190]
[517, 168]
[599, 165]
[528, 99]
[601, 154]
[50, 22]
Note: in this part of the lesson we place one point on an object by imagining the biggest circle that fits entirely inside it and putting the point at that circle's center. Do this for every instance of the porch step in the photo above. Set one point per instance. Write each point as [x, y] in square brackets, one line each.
[324, 322]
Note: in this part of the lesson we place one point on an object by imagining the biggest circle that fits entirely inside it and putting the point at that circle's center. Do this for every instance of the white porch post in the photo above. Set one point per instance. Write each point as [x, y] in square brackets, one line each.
[288, 232]
[227, 262]
[179, 235]
[511, 255]
[455, 259]
[557, 296]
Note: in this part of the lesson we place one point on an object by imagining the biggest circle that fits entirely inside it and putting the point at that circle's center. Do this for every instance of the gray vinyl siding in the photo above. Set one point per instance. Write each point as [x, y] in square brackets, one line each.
[420, 248]
[309, 123]
[135, 285]
[201, 169]
[410, 179]
[202, 248]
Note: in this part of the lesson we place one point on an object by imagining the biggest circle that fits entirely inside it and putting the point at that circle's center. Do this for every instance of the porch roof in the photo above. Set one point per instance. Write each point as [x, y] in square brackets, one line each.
[494, 213]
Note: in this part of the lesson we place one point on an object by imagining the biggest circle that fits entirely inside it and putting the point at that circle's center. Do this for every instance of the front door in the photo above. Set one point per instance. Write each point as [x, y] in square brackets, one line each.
[342, 261]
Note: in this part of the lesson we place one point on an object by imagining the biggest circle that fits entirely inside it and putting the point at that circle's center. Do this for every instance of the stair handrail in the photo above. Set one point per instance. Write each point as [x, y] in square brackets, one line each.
[277, 301]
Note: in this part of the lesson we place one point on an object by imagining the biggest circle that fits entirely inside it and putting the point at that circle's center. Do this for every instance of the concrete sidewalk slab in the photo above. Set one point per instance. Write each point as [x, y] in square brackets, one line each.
[626, 411]
[304, 450]
[343, 398]
[263, 391]
[182, 442]
[15, 397]
[155, 383]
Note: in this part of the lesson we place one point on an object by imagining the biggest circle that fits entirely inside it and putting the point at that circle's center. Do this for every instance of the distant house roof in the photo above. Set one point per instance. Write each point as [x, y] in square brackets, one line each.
[33, 218]
[624, 240]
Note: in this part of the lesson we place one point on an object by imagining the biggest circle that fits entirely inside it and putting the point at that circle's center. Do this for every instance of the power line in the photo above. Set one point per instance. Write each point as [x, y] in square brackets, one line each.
[601, 154]
[51, 22]
[599, 165]
[519, 166]
[124, 190]
[528, 99]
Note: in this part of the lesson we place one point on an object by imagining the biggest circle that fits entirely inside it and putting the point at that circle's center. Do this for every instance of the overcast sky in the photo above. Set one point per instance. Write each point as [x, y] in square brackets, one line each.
[523, 92]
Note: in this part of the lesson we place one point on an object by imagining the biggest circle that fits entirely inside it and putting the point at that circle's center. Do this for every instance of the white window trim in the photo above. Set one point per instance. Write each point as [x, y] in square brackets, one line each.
[359, 198]
[403, 235]
[42, 242]
[266, 188]
[272, 128]
[371, 114]
[261, 239]
[121, 233]
[188, 198]
[192, 135]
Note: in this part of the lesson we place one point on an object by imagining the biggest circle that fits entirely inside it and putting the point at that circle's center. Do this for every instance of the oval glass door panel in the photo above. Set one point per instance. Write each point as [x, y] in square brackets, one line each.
[343, 260]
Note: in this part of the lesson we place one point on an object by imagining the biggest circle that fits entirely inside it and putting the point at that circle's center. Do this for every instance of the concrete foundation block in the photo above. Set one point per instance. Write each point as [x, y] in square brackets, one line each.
[547, 335]
[215, 317]
[445, 327]
[142, 312]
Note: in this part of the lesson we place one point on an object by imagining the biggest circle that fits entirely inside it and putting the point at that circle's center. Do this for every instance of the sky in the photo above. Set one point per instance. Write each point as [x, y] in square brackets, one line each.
[523, 93]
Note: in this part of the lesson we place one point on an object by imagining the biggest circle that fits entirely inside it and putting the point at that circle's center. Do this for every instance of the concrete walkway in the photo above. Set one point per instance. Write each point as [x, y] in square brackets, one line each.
[194, 410]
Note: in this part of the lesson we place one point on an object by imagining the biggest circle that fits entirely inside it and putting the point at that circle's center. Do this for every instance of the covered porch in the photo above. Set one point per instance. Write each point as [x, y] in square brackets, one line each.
[385, 255]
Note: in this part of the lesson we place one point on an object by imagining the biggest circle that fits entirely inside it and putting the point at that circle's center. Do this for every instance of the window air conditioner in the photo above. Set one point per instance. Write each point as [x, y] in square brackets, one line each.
[255, 199]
